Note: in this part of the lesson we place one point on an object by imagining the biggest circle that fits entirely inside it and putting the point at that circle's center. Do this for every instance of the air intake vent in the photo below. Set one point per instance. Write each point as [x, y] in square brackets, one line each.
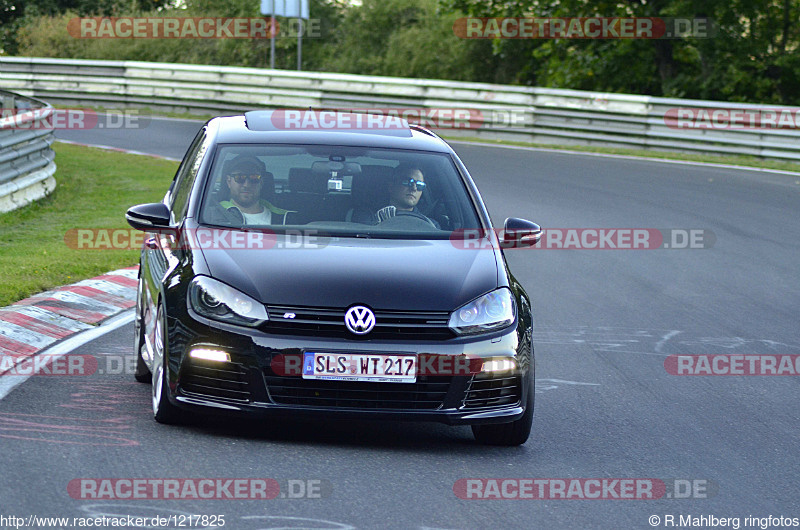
[215, 379]
[492, 390]
[427, 393]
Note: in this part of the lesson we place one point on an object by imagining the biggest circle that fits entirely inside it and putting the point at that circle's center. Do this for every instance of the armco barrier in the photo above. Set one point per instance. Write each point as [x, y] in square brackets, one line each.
[26, 159]
[526, 114]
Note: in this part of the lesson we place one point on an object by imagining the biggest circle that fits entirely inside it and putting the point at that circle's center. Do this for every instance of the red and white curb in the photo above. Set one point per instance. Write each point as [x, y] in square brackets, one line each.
[38, 322]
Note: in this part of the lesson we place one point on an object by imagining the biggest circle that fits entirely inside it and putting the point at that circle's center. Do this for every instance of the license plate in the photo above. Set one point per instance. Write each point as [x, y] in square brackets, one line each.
[360, 367]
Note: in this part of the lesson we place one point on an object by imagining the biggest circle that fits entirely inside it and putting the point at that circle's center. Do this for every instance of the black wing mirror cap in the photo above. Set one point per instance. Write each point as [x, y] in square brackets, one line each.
[151, 217]
[520, 233]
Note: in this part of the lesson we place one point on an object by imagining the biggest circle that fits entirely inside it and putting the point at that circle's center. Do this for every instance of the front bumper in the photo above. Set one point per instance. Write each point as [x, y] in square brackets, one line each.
[251, 383]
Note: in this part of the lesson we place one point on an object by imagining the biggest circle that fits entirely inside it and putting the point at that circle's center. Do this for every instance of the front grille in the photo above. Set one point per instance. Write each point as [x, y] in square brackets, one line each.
[427, 393]
[389, 325]
[491, 390]
[215, 379]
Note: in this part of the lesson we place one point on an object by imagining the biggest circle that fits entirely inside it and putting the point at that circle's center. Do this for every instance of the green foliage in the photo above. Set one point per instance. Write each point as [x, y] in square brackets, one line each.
[47, 36]
[406, 38]
[391, 37]
[16, 13]
[752, 57]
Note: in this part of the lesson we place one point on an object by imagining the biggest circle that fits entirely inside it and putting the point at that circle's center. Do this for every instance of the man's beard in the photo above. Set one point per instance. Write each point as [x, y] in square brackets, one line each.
[252, 200]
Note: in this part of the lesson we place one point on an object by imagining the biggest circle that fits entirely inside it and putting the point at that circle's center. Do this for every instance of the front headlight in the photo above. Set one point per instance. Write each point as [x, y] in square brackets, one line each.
[491, 311]
[217, 301]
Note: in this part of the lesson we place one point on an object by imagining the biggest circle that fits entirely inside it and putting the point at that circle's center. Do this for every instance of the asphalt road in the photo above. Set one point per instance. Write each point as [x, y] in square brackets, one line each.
[606, 407]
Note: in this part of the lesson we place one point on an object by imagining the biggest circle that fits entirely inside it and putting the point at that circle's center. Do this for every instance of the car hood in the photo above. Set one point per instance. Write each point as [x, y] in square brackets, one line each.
[383, 274]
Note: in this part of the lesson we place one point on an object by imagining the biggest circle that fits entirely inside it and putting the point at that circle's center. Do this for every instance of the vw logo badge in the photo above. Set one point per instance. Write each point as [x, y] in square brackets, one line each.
[359, 319]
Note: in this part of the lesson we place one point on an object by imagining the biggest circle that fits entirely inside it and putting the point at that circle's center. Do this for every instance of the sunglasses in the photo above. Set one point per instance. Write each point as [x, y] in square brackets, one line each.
[410, 183]
[240, 178]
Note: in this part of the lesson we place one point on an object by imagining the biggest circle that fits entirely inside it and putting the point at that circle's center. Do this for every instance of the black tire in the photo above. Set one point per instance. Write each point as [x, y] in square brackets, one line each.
[508, 434]
[163, 409]
[142, 373]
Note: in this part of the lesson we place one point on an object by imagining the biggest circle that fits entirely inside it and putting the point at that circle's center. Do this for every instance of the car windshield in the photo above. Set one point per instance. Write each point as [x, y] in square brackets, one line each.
[344, 191]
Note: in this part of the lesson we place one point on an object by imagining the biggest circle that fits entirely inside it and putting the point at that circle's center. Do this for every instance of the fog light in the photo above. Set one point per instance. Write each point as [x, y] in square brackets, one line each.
[210, 355]
[499, 365]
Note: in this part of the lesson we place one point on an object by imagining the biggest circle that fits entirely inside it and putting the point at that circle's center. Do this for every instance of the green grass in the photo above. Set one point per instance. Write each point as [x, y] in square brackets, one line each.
[94, 189]
[740, 160]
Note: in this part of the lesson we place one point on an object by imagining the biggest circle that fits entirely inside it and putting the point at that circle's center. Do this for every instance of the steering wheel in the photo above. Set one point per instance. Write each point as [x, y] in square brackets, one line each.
[405, 218]
[415, 214]
[437, 213]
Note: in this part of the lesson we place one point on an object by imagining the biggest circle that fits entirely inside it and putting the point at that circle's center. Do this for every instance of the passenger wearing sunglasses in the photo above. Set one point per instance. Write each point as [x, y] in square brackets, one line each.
[245, 176]
[405, 191]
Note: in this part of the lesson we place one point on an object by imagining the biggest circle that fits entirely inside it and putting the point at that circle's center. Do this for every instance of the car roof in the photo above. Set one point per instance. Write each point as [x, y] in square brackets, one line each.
[234, 129]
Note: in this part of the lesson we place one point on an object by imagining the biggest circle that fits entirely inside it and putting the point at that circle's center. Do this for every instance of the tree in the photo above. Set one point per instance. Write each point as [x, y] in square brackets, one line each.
[14, 12]
[752, 55]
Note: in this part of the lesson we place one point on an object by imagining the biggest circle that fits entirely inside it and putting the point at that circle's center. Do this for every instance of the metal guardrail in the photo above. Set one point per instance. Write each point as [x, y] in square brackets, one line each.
[540, 115]
[26, 160]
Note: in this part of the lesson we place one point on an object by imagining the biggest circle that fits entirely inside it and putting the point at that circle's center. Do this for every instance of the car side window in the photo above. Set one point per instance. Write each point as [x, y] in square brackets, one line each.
[184, 180]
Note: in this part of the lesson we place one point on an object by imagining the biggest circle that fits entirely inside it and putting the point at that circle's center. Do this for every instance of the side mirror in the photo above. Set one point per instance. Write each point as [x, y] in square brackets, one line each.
[520, 233]
[151, 217]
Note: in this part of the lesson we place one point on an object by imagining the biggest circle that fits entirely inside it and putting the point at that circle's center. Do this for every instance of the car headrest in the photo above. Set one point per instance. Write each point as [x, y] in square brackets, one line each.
[371, 186]
[304, 180]
[268, 186]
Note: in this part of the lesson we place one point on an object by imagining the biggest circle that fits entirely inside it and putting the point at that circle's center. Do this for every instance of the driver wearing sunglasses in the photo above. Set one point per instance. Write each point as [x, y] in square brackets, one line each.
[245, 177]
[405, 192]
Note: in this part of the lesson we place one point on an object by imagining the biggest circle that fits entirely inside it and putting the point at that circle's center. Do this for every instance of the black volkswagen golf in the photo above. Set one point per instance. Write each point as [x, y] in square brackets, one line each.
[342, 271]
